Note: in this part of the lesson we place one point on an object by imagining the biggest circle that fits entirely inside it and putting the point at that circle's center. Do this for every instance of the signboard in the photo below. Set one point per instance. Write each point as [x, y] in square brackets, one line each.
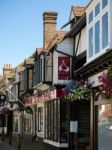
[49, 95]
[74, 126]
[44, 97]
[63, 68]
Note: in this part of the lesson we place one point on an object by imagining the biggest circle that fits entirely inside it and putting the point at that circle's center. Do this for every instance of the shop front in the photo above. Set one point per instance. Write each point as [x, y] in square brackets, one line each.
[56, 123]
[51, 117]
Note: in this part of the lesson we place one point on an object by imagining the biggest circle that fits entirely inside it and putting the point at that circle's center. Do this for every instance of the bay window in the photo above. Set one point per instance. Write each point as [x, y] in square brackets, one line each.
[98, 29]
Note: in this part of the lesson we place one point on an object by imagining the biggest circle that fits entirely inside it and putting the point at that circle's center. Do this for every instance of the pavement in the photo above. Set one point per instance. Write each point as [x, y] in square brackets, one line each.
[25, 145]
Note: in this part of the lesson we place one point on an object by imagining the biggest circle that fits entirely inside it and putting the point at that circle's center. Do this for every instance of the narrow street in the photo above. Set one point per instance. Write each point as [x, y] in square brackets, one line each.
[4, 146]
[25, 146]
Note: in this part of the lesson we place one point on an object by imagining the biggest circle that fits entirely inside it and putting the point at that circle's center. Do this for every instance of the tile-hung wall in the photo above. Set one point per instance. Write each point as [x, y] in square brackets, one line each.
[98, 28]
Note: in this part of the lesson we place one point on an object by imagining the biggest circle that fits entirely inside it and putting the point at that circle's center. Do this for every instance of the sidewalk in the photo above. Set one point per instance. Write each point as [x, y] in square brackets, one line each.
[26, 144]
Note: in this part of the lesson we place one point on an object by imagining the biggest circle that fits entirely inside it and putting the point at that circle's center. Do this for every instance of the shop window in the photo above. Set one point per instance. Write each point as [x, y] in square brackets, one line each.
[16, 124]
[63, 122]
[52, 120]
[40, 119]
[105, 127]
[28, 123]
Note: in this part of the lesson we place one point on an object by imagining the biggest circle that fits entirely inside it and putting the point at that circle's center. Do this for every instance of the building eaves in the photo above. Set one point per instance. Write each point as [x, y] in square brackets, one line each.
[96, 65]
[77, 27]
[29, 61]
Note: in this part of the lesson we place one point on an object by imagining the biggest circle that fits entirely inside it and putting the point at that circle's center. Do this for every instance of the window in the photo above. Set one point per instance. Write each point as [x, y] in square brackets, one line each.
[40, 119]
[16, 124]
[98, 30]
[97, 37]
[104, 3]
[104, 126]
[91, 42]
[48, 67]
[30, 76]
[38, 70]
[28, 123]
[97, 9]
[52, 120]
[90, 17]
[21, 78]
[105, 30]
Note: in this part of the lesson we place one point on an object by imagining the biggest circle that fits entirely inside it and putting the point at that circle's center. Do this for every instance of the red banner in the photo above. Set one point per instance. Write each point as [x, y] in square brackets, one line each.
[63, 68]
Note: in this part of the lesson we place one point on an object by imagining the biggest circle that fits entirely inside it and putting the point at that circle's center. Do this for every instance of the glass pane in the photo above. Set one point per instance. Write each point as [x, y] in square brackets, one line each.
[97, 37]
[90, 16]
[63, 122]
[105, 127]
[97, 9]
[104, 3]
[105, 30]
[91, 42]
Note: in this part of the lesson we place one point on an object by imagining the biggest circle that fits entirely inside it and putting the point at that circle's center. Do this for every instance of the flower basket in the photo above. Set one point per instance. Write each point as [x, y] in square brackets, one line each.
[4, 110]
[81, 92]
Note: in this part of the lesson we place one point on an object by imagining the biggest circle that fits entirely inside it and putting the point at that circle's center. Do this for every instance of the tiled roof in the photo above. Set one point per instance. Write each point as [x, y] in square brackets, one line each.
[20, 68]
[56, 38]
[1, 77]
[78, 10]
[29, 61]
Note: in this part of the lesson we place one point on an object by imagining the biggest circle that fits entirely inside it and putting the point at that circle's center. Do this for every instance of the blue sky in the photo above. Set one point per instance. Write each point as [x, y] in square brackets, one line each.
[21, 26]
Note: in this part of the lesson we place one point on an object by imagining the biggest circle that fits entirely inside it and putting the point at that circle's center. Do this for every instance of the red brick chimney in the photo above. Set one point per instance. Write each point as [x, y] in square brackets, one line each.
[49, 26]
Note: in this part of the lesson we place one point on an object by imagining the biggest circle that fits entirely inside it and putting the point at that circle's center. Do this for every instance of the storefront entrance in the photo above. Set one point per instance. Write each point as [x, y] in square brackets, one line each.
[80, 131]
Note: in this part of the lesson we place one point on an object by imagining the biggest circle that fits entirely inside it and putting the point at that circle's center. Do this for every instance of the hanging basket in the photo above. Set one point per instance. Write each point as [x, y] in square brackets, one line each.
[4, 110]
[81, 92]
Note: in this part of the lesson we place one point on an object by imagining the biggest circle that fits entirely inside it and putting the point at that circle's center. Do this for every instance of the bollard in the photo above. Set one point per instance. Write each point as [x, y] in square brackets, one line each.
[18, 141]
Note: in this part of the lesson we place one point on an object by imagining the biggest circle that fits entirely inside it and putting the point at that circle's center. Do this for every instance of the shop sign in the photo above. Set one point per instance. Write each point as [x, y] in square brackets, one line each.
[63, 68]
[44, 97]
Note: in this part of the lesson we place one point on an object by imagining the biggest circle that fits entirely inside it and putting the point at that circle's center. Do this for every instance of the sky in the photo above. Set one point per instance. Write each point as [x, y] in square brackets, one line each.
[21, 26]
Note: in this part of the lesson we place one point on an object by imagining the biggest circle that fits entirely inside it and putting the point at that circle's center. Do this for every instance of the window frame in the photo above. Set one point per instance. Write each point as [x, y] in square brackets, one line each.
[92, 24]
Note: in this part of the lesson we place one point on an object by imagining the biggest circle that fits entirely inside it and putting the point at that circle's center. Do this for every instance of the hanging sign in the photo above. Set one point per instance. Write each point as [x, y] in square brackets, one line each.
[63, 68]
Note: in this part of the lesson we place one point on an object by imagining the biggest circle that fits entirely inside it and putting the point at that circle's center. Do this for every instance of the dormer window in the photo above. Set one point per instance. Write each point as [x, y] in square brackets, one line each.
[98, 29]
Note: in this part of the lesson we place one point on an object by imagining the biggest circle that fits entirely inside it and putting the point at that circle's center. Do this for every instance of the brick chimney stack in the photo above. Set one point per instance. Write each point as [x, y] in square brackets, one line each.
[7, 69]
[49, 26]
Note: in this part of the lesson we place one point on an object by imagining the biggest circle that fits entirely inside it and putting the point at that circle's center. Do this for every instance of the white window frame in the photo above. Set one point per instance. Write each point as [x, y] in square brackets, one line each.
[92, 24]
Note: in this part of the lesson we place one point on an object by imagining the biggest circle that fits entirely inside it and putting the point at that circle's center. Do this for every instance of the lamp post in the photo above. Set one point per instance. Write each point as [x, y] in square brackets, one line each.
[2, 103]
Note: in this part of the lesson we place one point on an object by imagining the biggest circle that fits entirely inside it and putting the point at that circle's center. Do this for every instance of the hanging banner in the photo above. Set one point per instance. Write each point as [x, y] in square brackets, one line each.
[63, 68]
